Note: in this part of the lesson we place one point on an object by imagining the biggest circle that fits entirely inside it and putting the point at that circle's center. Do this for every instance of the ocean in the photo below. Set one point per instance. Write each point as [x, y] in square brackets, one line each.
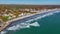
[48, 23]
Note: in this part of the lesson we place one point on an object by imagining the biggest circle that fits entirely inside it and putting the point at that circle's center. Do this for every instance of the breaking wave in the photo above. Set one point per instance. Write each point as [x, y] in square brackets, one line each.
[27, 25]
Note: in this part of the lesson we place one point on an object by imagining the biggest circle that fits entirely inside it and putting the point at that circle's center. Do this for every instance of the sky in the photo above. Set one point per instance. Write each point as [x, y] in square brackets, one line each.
[33, 2]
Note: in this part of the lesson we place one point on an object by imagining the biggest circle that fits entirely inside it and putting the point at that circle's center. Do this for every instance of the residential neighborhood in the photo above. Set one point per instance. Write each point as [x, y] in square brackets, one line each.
[12, 13]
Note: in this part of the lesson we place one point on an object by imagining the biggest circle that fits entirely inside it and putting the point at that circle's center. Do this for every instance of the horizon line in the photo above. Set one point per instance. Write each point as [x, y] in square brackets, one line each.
[29, 4]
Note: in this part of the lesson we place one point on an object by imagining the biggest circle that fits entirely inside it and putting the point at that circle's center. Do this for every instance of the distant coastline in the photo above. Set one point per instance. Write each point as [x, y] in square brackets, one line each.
[31, 6]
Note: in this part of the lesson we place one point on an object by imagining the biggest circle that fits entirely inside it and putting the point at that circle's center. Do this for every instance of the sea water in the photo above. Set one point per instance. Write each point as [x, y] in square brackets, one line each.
[46, 24]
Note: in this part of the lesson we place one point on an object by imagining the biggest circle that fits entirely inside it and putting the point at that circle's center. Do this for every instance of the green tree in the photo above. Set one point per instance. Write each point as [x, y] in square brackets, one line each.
[5, 18]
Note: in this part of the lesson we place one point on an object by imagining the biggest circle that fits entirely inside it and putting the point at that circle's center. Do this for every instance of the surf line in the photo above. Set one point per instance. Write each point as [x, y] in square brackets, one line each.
[48, 14]
[42, 16]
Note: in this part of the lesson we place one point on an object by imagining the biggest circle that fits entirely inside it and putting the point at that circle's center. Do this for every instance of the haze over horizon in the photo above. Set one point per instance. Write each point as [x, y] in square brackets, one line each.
[32, 2]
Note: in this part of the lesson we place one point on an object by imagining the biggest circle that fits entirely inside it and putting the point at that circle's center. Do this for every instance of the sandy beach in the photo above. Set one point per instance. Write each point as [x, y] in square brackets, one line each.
[19, 18]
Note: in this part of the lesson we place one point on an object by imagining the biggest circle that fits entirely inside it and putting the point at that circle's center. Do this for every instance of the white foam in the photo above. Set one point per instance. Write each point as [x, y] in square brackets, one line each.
[13, 27]
[35, 24]
[27, 25]
[19, 26]
[45, 15]
[3, 32]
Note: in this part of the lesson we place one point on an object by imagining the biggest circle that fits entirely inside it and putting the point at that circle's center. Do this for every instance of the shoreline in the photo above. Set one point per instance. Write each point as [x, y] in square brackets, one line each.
[19, 18]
